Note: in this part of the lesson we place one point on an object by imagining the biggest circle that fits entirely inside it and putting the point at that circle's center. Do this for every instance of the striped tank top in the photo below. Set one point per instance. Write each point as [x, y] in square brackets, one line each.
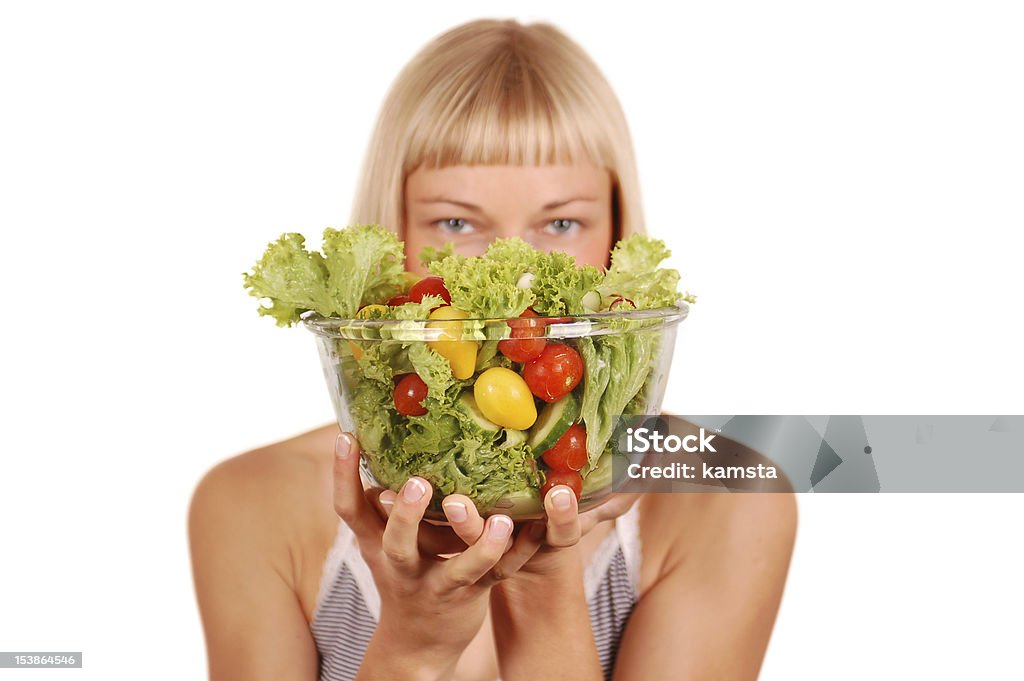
[348, 604]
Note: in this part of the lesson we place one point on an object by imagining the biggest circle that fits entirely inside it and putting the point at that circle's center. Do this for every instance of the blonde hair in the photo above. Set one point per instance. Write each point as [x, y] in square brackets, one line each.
[493, 92]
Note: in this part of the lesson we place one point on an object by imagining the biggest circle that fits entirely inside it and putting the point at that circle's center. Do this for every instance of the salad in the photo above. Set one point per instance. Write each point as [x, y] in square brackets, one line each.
[497, 376]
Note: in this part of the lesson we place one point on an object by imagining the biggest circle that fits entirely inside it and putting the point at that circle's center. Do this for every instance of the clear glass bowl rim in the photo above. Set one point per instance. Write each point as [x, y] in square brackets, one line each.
[567, 326]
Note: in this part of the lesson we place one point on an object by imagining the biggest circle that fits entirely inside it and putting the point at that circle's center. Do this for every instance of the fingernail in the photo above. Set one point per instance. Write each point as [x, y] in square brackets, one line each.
[456, 511]
[343, 446]
[500, 527]
[386, 499]
[561, 497]
[413, 490]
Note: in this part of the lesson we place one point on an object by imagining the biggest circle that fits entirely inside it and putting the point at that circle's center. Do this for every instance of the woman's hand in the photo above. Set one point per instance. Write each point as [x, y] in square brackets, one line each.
[431, 607]
[542, 606]
[541, 601]
[565, 526]
[562, 529]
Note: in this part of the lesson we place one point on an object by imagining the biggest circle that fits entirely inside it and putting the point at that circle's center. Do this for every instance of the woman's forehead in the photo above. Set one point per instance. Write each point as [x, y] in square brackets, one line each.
[547, 183]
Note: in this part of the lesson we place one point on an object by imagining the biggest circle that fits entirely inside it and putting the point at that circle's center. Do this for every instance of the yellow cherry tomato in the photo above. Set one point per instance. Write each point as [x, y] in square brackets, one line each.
[372, 312]
[461, 354]
[504, 398]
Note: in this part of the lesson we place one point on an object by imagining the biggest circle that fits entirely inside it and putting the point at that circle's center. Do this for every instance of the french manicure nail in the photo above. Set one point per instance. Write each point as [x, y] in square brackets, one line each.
[386, 499]
[343, 446]
[500, 527]
[413, 490]
[561, 498]
[456, 511]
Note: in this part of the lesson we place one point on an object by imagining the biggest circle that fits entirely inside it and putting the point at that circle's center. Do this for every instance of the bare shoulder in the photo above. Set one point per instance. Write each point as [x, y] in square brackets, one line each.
[279, 496]
[270, 479]
[279, 465]
[705, 531]
[274, 502]
[259, 525]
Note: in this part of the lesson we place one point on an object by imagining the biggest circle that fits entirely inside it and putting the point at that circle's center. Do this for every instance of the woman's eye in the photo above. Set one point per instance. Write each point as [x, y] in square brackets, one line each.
[455, 226]
[559, 227]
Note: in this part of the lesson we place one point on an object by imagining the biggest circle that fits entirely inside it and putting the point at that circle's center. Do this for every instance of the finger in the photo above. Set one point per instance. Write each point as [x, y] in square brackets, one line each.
[386, 501]
[525, 546]
[465, 520]
[472, 564]
[401, 533]
[563, 517]
[434, 540]
[349, 500]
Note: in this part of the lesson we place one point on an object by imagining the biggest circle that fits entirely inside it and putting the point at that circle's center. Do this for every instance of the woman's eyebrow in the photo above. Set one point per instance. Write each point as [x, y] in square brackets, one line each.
[441, 199]
[470, 206]
[559, 204]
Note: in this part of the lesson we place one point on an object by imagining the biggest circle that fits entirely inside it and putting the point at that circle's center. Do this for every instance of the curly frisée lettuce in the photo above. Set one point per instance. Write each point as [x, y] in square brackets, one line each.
[488, 286]
[635, 274]
[448, 436]
[359, 265]
[561, 287]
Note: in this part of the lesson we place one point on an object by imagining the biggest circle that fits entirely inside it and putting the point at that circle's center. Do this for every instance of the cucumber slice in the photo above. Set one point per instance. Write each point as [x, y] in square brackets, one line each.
[474, 418]
[552, 423]
[514, 437]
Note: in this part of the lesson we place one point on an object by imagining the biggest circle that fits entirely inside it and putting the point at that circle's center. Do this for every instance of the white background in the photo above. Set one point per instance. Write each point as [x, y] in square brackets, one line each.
[841, 184]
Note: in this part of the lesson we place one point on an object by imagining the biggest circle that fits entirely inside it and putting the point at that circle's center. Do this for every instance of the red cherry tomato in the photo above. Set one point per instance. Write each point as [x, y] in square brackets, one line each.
[570, 452]
[527, 338]
[429, 286]
[572, 479]
[409, 394]
[400, 299]
[555, 372]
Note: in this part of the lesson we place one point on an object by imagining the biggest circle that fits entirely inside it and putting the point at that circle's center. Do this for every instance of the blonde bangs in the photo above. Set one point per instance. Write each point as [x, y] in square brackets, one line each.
[504, 112]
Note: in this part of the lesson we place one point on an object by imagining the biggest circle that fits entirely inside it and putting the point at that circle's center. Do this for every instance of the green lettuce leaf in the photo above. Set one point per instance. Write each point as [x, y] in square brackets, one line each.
[487, 286]
[560, 285]
[420, 310]
[378, 426]
[294, 280]
[431, 434]
[359, 265]
[520, 256]
[435, 371]
[488, 356]
[430, 254]
[483, 471]
[366, 265]
[634, 273]
[616, 368]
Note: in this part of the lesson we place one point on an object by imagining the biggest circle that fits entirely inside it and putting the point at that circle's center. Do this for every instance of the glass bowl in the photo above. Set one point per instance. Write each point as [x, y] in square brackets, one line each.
[626, 357]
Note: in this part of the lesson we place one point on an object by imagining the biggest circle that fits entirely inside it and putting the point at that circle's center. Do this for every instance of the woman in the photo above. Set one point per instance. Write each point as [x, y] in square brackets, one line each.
[495, 129]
